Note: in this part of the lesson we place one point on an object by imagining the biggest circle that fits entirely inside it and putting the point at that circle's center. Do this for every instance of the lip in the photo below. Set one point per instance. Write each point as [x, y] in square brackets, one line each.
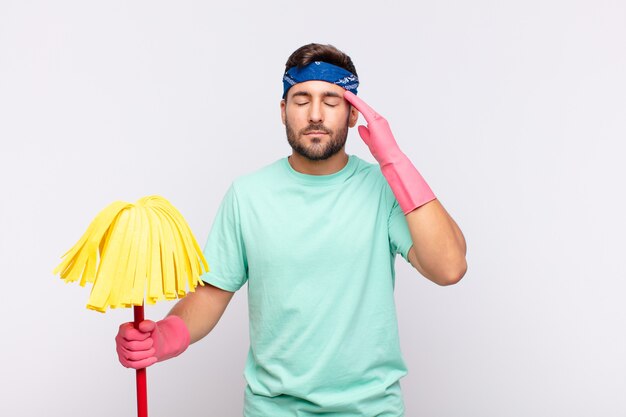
[316, 133]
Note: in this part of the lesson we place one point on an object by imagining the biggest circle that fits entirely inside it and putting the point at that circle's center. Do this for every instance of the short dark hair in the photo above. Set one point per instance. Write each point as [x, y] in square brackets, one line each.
[317, 52]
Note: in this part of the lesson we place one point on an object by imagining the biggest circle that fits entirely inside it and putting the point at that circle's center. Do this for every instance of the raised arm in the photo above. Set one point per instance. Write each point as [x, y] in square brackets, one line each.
[439, 248]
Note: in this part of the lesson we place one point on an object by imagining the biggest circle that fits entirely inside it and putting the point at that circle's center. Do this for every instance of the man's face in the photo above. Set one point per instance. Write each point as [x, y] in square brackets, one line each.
[317, 118]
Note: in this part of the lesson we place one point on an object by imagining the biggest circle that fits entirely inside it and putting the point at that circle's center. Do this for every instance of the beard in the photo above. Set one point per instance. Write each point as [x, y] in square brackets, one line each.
[317, 150]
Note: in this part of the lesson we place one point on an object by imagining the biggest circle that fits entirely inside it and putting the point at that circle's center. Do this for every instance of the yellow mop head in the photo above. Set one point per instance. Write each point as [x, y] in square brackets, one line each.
[147, 244]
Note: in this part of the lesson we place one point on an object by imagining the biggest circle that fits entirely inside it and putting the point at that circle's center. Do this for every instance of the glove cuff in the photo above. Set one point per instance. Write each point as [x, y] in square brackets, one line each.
[176, 337]
[407, 184]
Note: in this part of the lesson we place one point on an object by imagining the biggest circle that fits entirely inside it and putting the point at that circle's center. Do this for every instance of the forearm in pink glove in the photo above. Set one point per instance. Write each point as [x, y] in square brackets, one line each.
[152, 342]
[407, 184]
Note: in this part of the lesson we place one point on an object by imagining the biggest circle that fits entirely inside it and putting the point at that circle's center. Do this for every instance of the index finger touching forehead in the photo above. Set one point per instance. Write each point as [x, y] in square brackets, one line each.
[367, 112]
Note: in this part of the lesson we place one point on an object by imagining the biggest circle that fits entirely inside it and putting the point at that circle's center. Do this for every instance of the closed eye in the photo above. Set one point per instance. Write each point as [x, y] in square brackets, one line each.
[332, 101]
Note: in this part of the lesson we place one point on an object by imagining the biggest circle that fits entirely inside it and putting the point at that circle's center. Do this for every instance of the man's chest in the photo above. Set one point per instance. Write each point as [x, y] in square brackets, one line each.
[311, 229]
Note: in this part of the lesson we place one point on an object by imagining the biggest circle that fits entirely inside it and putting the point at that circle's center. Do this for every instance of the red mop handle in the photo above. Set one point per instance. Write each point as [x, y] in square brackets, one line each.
[142, 391]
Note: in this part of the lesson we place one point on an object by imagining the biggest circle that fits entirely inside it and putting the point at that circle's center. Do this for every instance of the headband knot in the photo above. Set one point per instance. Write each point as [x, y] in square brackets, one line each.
[320, 71]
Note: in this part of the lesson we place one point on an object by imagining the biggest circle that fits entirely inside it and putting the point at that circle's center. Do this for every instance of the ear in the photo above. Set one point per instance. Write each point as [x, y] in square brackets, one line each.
[354, 116]
[283, 115]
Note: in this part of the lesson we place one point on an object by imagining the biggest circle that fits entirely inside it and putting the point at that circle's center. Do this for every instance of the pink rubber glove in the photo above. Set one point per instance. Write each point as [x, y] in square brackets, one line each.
[405, 181]
[152, 342]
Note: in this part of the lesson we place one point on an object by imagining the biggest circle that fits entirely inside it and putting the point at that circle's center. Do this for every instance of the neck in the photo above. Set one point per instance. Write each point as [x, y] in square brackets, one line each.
[326, 167]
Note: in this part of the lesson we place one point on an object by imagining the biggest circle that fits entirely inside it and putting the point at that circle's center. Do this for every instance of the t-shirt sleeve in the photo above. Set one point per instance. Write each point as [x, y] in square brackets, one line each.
[224, 250]
[399, 236]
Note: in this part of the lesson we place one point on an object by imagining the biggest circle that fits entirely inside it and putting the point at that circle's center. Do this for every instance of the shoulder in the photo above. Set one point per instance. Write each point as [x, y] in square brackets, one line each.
[368, 171]
[371, 174]
[365, 166]
[259, 178]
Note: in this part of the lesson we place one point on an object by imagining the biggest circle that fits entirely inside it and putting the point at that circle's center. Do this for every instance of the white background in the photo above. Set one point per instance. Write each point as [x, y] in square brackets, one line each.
[514, 111]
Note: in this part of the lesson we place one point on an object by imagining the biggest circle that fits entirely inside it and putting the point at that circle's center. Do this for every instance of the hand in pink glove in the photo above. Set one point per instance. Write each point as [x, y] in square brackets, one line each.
[152, 342]
[405, 181]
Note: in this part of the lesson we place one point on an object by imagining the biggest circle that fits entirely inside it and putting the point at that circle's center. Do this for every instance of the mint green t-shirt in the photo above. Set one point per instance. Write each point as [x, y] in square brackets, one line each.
[318, 255]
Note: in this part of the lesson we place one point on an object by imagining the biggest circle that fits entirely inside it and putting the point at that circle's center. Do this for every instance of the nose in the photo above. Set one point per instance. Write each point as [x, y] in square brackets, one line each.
[315, 112]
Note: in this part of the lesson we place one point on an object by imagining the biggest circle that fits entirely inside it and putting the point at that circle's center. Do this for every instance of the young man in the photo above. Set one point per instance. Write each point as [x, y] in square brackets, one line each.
[315, 236]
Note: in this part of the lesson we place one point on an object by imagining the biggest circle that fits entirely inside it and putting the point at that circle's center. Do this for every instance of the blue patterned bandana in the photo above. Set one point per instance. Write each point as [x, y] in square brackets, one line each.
[321, 71]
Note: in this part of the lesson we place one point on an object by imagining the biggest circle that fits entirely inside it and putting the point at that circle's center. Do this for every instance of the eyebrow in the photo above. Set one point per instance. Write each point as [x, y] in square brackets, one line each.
[307, 94]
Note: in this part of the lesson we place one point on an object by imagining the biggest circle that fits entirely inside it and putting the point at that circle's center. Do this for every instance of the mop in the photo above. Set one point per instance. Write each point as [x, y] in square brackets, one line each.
[135, 253]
